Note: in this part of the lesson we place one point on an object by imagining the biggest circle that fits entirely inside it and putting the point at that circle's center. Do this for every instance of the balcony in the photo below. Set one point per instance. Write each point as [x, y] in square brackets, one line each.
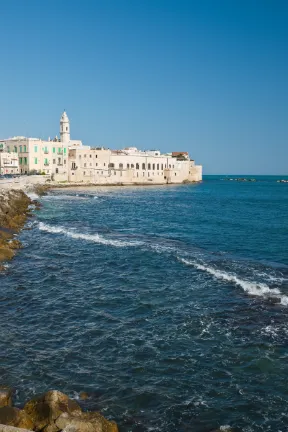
[46, 163]
[46, 151]
[60, 152]
[74, 168]
[59, 164]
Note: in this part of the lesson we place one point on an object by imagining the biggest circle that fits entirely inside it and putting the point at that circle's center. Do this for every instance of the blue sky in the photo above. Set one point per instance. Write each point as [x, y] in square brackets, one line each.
[208, 76]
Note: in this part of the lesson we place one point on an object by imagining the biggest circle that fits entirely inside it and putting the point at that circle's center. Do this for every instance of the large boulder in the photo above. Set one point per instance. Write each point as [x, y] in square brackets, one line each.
[85, 422]
[11, 416]
[45, 409]
[5, 396]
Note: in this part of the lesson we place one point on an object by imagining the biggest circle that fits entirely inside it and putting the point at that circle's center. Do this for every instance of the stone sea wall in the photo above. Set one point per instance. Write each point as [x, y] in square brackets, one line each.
[14, 210]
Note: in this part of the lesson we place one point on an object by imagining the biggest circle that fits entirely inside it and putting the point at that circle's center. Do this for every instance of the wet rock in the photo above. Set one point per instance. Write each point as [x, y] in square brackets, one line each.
[11, 416]
[83, 395]
[85, 422]
[5, 396]
[45, 409]
[15, 244]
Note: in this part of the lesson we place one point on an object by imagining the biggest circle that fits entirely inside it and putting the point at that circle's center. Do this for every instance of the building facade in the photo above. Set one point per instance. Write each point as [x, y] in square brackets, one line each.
[9, 162]
[69, 160]
[130, 166]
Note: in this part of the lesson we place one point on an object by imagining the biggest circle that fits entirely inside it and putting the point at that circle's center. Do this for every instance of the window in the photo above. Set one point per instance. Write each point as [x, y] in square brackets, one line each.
[35, 149]
[84, 173]
[54, 161]
[84, 155]
[25, 160]
[114, 172]
[79, 156]
[111, 165]
[57, 170]
[157, 166]
[90, 156]
[20, 149]
[46, 161]
[143, 174]
[137, 166]
[8, 149]
[15, 149]
[65, 151]
[36, 161]
[169, 166]
[104, 163]
[121, 165]
[66, 128]
[143, 165]
[25, 149]
[59, 161]
[161, 166]
[149, 166]
[132, 165]
[85, 165]
[20, 160]
[128, 166]
[64, 161]
[96, 155]
[102, 172]
[148, 174]
[90, 164]
[73, 165]
[96, 164]
[175, 174]
[153, 166]
[54, 150]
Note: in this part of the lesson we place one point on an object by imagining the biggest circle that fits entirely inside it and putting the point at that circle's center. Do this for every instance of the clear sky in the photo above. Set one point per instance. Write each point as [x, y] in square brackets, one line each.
[206, 76]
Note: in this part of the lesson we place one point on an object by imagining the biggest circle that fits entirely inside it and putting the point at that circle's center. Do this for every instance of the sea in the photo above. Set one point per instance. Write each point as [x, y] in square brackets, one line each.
[168, 305]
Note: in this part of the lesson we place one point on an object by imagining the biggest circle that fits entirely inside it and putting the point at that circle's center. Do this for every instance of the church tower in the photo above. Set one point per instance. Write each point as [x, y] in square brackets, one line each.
[64, 128]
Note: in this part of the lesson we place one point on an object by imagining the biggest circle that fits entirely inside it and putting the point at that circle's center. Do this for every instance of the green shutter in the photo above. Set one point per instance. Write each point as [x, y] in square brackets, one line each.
[35, 161]
[35, 149]
[54, 150]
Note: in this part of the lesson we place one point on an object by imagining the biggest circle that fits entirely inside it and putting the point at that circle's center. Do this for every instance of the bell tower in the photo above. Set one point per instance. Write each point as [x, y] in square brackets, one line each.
[64, 128]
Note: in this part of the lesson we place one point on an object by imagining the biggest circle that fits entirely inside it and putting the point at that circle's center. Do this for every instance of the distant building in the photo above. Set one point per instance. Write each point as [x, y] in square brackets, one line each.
[40, 156]
[9, 162]
[130, 166]
[65, 159]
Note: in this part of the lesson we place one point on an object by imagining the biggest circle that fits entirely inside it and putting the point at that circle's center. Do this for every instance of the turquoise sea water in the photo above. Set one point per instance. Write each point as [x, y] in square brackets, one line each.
[168, 305]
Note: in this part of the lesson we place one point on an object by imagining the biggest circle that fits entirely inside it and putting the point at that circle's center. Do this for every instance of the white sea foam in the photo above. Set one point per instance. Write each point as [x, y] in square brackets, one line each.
[253, 288]
[95, 238]
[32, 195]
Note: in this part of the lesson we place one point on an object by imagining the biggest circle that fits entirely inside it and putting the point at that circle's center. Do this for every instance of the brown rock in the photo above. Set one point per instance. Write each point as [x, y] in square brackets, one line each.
[45, 409]
[11, 416]
[5, 396]
[15, 244]
[83, 395]
[85, 422]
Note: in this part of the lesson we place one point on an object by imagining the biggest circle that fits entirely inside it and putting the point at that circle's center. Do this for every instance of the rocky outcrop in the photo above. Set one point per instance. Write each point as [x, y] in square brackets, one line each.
[14, 209]
[11, 416]
[5, 397]
[46, 409]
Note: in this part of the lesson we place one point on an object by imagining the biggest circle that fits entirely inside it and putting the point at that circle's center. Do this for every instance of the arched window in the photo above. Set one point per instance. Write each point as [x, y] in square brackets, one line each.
[157, 166]
[128, 166]
[143, 165]
[121, 165]
[153, 166]
[132, 165]
[137, 166]
[161, 166]
[149, 166]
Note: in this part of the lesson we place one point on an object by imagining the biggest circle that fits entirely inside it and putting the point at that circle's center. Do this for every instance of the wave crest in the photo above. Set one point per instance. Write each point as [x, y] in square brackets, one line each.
[252, 288]
[95, 238]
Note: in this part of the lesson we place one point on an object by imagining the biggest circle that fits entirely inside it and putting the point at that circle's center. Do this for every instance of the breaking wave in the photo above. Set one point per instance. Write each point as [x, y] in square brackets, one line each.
[32, 195]
[252, 288]
[95, 238]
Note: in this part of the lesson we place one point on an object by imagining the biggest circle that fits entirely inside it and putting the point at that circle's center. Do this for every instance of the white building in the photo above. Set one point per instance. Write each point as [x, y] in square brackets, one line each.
[9, 162]
[130, 166]
[40, 156]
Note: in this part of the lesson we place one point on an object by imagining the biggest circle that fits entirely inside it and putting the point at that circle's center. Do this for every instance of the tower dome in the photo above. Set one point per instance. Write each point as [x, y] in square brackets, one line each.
[64, 128]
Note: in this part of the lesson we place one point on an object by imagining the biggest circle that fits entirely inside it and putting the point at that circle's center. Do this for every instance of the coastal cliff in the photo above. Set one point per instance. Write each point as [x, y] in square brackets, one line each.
[14, 210]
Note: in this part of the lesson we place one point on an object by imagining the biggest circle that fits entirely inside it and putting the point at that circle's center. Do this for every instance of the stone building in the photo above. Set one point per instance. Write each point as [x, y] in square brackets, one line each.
[40, 156]
[130, 166]
[9, 162]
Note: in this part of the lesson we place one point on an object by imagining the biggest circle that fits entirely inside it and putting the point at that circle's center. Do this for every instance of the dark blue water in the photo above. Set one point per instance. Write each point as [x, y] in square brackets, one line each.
[168, 305]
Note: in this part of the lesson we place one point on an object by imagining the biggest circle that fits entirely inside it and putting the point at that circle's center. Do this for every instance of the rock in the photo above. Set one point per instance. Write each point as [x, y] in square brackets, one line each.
[15, 244]
[5, 396]
[83, 395]
[11, 416]
[45, 409]
[85, 422]
[5, 428]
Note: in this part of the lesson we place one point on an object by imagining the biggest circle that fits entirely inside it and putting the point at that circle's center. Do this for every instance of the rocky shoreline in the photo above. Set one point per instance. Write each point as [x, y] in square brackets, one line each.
[15, 207]
[52, 411]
